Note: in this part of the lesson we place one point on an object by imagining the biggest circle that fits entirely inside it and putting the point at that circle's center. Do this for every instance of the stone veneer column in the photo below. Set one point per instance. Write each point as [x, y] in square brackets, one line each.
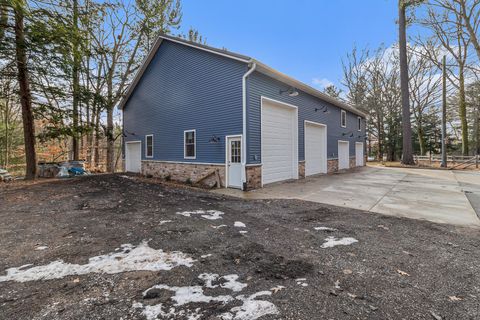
[254, 176]
[301, 169]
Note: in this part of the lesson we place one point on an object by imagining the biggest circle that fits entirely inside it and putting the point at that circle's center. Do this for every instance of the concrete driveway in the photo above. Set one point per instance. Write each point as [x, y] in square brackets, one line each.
[442, 196]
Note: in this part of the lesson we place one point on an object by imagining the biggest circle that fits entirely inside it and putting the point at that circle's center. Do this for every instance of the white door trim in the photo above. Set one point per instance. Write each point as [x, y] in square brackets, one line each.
[338, 156]
[227, 146]
[295, 134]
[306, 122]
[126, 150]
[362, 160]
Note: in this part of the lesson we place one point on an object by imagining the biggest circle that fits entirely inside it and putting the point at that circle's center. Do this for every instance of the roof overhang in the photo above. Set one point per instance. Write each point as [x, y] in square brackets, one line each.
[261, 67]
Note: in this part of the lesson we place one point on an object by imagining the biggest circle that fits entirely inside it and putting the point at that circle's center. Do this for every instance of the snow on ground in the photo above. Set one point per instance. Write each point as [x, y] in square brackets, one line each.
[332, 242]
[129, 258]
[206, 214]
[39, 248]
[220, 226]
[239, 224]
[250, 309]
[230, 281]
[302, 282]
[325, 229]
[164, 221]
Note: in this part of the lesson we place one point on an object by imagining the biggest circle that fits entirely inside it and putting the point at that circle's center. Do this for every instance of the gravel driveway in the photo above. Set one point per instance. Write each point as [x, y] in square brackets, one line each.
[122, 247]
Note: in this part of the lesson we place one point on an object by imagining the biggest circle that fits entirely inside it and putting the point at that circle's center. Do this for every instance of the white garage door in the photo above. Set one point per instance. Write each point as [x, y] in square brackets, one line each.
[343, 155]
[315, 148]
[133, 157]
[279, 142]
[359, 158]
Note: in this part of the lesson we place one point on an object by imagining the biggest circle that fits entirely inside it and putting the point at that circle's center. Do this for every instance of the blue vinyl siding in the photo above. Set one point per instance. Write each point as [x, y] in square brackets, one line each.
[185, 88]
[259, 85]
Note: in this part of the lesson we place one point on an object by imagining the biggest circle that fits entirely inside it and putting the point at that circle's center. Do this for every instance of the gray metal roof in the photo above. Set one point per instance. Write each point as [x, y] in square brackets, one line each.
[261, 67]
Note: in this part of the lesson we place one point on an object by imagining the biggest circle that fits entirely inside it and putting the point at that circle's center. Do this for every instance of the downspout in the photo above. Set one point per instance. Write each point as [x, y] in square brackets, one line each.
[252, 66]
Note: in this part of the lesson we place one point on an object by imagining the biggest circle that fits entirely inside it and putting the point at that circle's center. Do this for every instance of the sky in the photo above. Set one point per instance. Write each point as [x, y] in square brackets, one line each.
[305, 39]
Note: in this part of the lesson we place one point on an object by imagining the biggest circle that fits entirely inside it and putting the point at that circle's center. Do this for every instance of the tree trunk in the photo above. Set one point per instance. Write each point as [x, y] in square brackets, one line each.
[76, 81]
[25, 95]
[462, 109]
[96, 152]
[421, 140]
[407, 155]
[476, 129]
[110, 141]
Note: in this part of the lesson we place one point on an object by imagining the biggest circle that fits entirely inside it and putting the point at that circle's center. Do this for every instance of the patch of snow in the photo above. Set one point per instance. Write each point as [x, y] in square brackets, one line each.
[126, 177]
[302, 282]
[164, 221]
[206, 214]
[325, 229]
[332, 242]
[191, 294]
[243, 231]
[251, 308]
[230, 283]
[39, 248]
[152, 312]
[130, 258]
[220, 226]
[277, 288]
[239, 224]
[205, 256]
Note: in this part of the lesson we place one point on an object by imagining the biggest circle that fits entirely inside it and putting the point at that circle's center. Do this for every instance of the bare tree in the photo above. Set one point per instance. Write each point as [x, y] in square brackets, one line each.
[425, 91]
[447, 26]
[125, 37]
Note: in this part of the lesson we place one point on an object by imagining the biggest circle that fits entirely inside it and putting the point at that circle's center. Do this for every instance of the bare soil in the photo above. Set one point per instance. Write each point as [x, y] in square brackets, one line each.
[398, 269]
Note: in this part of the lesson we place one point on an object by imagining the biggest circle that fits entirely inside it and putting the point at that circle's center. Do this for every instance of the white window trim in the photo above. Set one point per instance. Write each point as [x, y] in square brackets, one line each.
[146, 146]
[359, 123]
[343, 112]
[194, 144]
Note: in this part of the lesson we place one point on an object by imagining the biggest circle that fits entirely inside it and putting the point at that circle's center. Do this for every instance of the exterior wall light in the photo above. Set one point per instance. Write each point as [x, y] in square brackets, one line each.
[214, 139]
[324, 108]
[292, 92]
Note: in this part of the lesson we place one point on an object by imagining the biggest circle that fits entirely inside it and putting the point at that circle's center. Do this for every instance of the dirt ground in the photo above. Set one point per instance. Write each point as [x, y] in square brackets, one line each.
[280, 268]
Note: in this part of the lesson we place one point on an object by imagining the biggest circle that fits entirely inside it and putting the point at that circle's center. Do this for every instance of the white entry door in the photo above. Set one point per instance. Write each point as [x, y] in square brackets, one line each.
[234, 162]
[343, 155]
[359, 158]
[315, 148]
[133, 156]
[279, 140]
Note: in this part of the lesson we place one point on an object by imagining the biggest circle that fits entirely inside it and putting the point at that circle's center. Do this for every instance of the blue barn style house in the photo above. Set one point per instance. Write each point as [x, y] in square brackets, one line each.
[196, 114]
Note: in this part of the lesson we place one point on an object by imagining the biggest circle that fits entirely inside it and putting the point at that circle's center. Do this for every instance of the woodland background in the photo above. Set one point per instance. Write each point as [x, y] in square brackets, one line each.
[65, 65]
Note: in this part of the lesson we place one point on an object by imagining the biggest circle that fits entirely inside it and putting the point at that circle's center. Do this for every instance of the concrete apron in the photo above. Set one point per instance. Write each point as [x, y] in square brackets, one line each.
[436, 195]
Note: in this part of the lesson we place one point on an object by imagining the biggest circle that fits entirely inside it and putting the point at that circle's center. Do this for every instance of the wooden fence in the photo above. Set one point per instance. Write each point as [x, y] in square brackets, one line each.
[453, 162]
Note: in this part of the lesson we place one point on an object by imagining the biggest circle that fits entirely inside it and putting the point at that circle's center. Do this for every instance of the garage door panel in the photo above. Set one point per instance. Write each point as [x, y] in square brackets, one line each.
[279, 142]
[315, 149]
[343, 155]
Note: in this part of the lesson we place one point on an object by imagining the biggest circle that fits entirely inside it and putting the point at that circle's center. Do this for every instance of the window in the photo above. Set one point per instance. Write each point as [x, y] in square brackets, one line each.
[149, 146]
[343, 119]
[359, 126]
[235, 152]
[189, 144]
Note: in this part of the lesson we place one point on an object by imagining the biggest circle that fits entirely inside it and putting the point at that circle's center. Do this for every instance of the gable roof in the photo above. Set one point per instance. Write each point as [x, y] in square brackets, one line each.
[261, 67]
